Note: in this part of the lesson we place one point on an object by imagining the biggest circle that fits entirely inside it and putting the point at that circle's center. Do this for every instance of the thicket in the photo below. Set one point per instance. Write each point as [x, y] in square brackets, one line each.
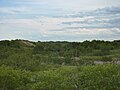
[99, 77]
[26, 65]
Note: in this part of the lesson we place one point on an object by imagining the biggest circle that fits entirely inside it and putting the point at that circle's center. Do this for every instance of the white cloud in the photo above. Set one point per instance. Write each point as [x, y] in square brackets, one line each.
[49, 19]
[13, 10]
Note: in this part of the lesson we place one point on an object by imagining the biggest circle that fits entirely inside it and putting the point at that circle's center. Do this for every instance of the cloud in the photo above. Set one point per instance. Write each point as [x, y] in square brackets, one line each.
[59, 20]
[100, 18]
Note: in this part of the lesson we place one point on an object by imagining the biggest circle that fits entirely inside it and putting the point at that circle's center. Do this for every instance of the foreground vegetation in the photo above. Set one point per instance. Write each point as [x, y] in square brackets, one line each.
[99, 77]
[26, 65]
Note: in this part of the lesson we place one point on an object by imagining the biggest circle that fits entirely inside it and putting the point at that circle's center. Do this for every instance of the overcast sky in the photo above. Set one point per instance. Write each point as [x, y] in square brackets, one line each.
[66, 20]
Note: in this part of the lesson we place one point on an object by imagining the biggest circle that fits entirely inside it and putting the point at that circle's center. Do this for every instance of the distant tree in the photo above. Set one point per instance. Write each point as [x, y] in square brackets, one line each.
[38, 49]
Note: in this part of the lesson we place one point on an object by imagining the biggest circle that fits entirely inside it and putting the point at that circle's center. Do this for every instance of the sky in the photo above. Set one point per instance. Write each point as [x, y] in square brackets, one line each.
[60, 20]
